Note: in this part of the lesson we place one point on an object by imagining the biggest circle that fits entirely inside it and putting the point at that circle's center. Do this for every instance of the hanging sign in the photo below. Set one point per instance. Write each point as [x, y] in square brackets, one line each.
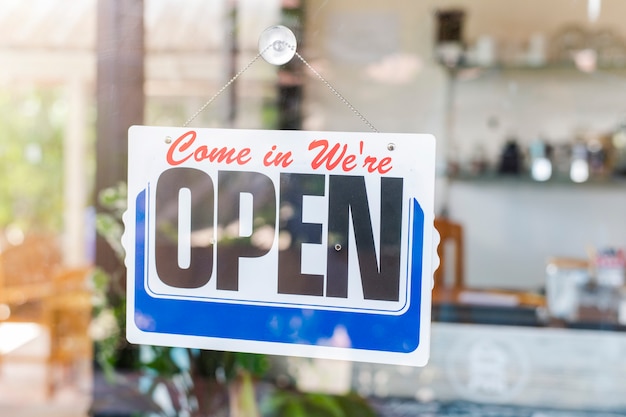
[315, 244]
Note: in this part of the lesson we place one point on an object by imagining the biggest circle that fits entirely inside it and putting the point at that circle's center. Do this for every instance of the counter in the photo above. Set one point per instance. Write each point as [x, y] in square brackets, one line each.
[521, 366]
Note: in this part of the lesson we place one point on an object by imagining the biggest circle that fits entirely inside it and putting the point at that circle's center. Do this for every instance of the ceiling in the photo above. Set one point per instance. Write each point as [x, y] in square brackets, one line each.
[51, 41]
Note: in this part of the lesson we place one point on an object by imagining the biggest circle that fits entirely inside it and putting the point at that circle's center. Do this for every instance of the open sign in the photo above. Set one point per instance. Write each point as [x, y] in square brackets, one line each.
[296, 243]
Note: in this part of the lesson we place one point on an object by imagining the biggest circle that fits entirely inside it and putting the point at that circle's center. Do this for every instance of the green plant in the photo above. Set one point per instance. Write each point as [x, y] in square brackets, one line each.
[109, 301]
[289, 403]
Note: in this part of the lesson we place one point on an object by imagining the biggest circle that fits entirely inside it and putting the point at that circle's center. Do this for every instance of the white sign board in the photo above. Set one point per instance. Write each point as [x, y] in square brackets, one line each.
[315, 244]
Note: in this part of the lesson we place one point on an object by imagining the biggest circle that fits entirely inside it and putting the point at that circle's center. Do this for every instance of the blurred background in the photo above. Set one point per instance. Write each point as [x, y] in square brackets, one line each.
[526, 100]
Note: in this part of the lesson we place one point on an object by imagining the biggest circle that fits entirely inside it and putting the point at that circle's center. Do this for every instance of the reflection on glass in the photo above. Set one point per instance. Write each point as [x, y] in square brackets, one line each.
[541, 169]
[579, 170]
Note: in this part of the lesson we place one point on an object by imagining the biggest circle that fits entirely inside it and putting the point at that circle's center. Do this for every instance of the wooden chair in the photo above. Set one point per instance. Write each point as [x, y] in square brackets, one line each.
[458, 292]
[451, 234]
[26, 283]
[36, 287]
[26, 271]
[70, 313]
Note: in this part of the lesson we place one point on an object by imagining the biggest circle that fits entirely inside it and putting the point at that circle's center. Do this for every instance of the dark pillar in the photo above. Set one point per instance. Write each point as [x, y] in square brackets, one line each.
[120, 98]
[231, 52]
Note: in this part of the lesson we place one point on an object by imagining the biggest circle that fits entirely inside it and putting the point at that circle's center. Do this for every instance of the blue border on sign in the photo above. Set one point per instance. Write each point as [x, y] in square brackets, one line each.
[280, 324]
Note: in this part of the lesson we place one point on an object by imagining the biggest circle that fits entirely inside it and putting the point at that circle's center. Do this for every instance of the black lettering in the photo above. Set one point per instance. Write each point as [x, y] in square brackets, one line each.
[347, 197]
[169, 184]
[231, 184]
[291, 280]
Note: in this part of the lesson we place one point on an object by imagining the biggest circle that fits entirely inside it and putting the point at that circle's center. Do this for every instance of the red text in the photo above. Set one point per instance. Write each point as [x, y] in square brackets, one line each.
[183, 149]
[338, 156]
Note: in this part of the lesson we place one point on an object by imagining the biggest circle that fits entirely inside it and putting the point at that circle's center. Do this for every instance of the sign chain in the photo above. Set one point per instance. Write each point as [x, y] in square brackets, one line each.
[232, 80]
[305, 62]
[336, 93]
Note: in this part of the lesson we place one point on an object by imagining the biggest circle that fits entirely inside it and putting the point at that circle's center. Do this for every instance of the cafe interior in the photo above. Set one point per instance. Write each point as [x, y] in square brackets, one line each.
[526, 101]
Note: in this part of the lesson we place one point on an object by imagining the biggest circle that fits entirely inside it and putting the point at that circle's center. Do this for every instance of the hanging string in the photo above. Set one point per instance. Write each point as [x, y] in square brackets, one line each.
[304, 61]
[232, 80]
[337, 94]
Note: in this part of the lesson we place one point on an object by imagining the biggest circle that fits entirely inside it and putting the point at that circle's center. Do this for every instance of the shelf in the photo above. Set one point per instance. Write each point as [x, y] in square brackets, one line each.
[525, 179]
[471, 73]
[554, 66]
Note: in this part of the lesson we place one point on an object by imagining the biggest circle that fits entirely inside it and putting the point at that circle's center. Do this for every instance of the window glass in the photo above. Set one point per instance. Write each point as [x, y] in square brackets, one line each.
[526, 102]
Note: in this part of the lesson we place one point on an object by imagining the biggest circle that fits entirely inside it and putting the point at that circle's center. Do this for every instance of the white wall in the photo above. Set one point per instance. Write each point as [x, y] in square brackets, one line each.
[512, 228]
